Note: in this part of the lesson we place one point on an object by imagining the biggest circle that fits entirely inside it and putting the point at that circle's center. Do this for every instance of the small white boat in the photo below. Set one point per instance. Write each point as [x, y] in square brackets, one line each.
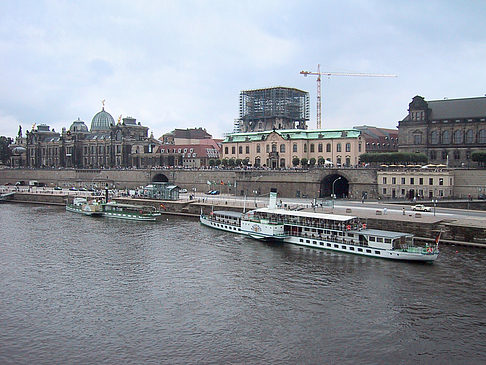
[83, 206]
[128, 211]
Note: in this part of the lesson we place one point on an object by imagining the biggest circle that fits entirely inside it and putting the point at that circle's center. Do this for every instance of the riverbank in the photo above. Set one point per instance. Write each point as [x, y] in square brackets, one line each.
[465, 232]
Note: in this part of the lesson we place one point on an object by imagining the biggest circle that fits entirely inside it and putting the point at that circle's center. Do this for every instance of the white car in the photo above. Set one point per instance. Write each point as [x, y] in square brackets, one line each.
[421, 208]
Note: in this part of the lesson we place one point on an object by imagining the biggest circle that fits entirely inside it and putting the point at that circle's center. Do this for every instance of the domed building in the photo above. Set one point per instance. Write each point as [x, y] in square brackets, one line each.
[102, 121]
[78, 126]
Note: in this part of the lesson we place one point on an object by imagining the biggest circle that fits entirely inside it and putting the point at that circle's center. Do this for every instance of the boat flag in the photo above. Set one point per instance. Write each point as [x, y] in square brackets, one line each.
[437, 238]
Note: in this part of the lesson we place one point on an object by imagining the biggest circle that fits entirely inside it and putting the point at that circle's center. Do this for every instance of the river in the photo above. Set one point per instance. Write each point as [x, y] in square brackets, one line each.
[84, 290]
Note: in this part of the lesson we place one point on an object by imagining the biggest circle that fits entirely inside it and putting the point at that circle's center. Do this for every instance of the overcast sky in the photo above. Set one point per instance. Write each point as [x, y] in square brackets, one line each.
[182, 64]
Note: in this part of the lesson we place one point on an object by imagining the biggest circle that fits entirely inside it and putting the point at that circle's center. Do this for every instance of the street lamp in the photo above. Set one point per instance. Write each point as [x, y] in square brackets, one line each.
[435, 203]
[334, 196]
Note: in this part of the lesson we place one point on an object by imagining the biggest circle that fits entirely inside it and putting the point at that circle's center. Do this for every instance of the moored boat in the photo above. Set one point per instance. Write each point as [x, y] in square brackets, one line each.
[128, 211]
[324, 231]
[83, 206]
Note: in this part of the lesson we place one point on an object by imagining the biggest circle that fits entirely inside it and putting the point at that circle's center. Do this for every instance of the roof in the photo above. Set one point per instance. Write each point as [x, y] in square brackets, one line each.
[190, 133]
[297, 213]
[387, 234]
[228, 213]
[294, 134]
[458, 108]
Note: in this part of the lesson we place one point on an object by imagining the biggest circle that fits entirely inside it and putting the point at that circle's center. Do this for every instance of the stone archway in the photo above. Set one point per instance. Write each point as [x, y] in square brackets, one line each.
[160, 178]
[341, 186]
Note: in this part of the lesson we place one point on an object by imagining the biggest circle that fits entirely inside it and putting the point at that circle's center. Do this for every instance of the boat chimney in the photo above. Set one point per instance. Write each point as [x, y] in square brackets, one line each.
[272, 203]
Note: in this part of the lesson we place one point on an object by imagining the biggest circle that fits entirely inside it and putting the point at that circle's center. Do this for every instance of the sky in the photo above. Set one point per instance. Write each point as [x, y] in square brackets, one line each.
[182, 64]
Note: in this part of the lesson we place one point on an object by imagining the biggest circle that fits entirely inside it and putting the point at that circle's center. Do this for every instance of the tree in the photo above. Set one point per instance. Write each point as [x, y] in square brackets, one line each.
[295, 161]
[479, 156]
[212, 162]
[238, 162]
[224, 162]
[218, 162]
[5, 152]
[245, 162]
[231, 162]
[304, 162]
[320, 161]
[312, 162]
[393, 157]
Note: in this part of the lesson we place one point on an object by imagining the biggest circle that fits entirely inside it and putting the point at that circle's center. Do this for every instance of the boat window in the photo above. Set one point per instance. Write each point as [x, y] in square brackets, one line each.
[351, 248]
[379, 239]
[328, 245]
[301, 240]
[377, 252]
[321, 243]
[387, 240]
[360, 249]
[368, 251]
[336, 246]
[343, 247]
[372, 239]
[350, 234]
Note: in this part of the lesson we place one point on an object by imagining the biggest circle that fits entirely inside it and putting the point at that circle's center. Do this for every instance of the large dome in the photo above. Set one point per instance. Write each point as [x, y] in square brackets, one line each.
[78, 126]
[102, 121]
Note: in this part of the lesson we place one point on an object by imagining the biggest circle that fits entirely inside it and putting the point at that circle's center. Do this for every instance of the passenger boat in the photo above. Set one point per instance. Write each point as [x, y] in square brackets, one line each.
[83, 206]
[128, 211]
[325, 231]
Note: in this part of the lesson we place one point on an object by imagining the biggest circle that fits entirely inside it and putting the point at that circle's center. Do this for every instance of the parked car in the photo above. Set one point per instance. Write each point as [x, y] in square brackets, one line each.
[183, 191]
[215, 192]
[57, 188]
[421, 208]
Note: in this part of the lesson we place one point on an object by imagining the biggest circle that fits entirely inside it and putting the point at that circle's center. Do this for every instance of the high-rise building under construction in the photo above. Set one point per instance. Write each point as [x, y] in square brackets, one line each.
[273, 108]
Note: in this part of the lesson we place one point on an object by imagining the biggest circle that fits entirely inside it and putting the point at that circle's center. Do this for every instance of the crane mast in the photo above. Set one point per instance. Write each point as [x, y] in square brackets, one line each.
[319, 74]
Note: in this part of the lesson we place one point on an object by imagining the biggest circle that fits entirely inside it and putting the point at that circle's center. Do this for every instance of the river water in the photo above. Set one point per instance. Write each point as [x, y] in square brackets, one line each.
[83, 290]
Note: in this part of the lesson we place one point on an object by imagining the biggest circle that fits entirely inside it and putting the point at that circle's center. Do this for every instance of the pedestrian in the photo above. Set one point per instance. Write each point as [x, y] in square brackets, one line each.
[403, 210]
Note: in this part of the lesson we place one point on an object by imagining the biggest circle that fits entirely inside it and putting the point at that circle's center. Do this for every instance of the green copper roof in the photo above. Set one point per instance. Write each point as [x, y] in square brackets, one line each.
[294, 134]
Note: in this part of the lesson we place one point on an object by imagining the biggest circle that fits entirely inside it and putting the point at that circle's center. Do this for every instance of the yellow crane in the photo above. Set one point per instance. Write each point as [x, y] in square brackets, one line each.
[319, 74]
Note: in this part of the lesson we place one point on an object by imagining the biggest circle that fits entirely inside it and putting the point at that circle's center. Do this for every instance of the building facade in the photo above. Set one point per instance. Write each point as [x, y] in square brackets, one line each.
[379, 139]
[417, 183]
[278, 148]
[447, 131]
[106, 145]
[273, 108]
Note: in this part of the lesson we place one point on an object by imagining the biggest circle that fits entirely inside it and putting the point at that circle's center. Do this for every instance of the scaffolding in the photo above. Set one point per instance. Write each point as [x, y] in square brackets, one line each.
[273, 108]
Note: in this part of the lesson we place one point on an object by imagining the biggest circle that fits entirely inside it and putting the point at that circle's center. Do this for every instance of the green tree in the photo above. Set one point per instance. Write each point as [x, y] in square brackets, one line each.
[218, 162]
[231, 162]
[238, 162]
[320, 161]
[224, 162]
[479, 157]
[245, 162]
[304, 162]
[5, 152]
[212, 162]
[295, 161]
[312, 162]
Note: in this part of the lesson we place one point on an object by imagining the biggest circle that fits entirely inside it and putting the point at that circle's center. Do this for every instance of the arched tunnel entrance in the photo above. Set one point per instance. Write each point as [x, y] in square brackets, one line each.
[160, 178]
[341, 186]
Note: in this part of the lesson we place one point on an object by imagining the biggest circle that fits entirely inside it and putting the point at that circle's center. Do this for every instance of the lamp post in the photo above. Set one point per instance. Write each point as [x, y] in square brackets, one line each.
[435, 204]
[332, 195]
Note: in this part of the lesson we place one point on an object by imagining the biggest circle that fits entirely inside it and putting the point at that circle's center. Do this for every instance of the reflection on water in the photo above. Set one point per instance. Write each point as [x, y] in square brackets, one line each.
[76, 289]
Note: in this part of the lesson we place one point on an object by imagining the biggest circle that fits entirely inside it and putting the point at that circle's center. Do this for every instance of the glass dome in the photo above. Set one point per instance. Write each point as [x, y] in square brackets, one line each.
[102, 121]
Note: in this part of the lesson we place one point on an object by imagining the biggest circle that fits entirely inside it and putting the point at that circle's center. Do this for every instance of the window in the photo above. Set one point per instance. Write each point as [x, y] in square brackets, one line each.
[274, 147]
[247, 149]
[417, 138]
[233, 150]
[240, 149]
[433, 155]
[444, 155]
[441, 181]
[482, 136]
[268, 148]
[258, 148]
[457, 155]
[305, 148]
[282, 162]
[312, 147]
[328, 147]
[294, 147]
[412, 181]
[384, 179]
[319, 147]
[282, 148]
[469, 136]
[403, 181]
[348, 147]
[384, 191]
[458, 137]
[394, 180]
[431, 181]
[434, 137]
[421, 181]
[359, 147]
[446, 137]
[338, 147]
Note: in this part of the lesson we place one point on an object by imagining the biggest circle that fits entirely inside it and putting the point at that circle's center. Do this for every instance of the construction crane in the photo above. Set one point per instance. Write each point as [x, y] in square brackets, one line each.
[319, 73]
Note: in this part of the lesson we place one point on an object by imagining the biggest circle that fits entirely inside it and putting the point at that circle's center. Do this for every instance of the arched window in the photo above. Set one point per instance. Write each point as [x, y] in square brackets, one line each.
[338, 147]
[294, 147]
[446, 137]
[282, 148]
[458, 137]
[328, 147]
[434, 137]
[258, 148]
[469, 136]
[305, 148]
[282, 162]
[482, 136]
[257, 161]
[312, 147]
[319, 147]
[348, 147]
[274, 147]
